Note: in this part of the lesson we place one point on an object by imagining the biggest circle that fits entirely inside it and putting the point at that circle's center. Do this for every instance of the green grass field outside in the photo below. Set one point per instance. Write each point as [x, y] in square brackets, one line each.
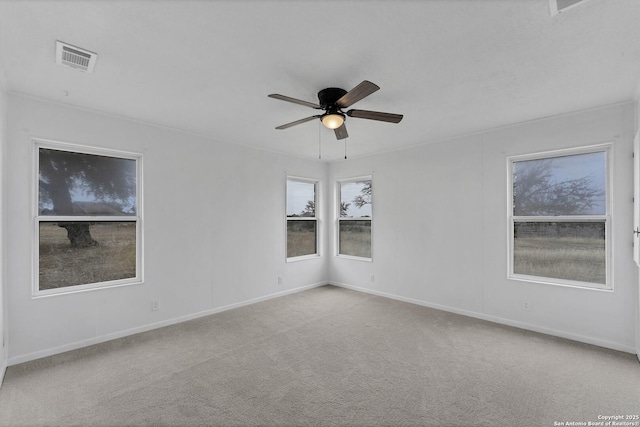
[61, 265]
[581, 259]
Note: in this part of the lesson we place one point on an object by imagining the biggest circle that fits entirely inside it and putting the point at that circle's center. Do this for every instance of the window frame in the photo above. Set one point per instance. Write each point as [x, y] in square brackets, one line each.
[37, 144]
[338, 187]
[605, 218]
[316, 217]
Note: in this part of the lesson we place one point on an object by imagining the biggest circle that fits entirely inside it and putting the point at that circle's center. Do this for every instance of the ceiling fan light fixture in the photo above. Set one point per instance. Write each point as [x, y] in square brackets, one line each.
[333, 120]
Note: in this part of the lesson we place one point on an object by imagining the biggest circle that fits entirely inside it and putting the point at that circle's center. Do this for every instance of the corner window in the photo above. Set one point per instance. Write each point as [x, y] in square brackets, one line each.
[354, 219]
[88, 222]
[560, 222]
[302, 221]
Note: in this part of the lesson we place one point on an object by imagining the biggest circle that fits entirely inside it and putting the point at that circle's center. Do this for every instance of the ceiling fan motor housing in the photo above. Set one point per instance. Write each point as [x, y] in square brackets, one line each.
[329, 96]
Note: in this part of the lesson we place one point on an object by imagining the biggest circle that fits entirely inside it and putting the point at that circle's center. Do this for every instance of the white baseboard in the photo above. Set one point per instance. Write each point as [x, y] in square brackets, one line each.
[495, 319]
[144, 328]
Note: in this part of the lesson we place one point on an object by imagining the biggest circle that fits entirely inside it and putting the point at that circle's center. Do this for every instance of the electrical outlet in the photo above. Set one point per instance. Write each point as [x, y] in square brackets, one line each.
[372, 278]
[280, 280]
[526, 306]
[155, 305]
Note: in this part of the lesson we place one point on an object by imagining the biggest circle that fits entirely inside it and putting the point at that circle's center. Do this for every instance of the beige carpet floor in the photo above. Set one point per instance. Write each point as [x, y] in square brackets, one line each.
[327, 356]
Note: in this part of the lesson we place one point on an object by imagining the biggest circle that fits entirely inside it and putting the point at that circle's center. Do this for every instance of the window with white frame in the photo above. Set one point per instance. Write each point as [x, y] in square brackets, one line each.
[88, 221]
[302, 220]
[354, 218]
[560, 217]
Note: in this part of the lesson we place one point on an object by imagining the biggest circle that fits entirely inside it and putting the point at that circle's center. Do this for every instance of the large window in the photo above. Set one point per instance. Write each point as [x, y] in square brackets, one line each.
[302, 221]
[560, 222]
[354, 219]
[88, 222]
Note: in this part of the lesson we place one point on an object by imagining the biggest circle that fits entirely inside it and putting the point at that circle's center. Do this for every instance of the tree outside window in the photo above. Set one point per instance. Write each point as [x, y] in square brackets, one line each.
[88, 222]
[354, 221]
[560, 222]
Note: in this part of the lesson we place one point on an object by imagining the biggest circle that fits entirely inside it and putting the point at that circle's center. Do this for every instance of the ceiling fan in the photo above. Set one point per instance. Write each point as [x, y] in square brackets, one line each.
[332, 101]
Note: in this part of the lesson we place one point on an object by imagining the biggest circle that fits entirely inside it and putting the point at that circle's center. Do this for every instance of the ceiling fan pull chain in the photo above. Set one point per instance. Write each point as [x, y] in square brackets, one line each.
[345, 148]
[319, 141]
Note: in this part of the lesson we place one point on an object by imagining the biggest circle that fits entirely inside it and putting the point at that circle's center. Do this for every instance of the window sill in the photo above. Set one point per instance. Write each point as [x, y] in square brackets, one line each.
[303, 258]
[355, 258]
[560, 282]
[86, 288]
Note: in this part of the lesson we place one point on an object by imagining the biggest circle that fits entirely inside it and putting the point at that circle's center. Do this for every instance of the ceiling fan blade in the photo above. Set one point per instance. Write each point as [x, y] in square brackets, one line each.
[295, 101]
[341, 132]
[375, 115]
[297, 122]
[363, 90]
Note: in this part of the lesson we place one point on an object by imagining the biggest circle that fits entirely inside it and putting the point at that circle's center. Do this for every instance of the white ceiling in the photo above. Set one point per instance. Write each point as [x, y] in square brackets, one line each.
[451, 67]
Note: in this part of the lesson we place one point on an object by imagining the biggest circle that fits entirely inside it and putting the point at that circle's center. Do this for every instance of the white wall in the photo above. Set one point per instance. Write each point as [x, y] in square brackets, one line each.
[440, 229]
[637, 129]
[4, 337]
[213, 230]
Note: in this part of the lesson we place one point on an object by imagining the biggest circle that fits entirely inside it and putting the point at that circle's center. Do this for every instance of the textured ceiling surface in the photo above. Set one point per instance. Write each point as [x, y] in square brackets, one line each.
[451, 67]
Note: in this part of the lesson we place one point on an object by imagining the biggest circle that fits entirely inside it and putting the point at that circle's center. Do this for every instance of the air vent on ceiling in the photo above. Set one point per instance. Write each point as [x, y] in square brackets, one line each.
[559, 6]
[75, 57]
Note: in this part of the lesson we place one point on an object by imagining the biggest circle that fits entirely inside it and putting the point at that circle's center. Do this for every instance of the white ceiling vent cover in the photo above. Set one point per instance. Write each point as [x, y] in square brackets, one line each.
[559, 6]
[75, 57]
